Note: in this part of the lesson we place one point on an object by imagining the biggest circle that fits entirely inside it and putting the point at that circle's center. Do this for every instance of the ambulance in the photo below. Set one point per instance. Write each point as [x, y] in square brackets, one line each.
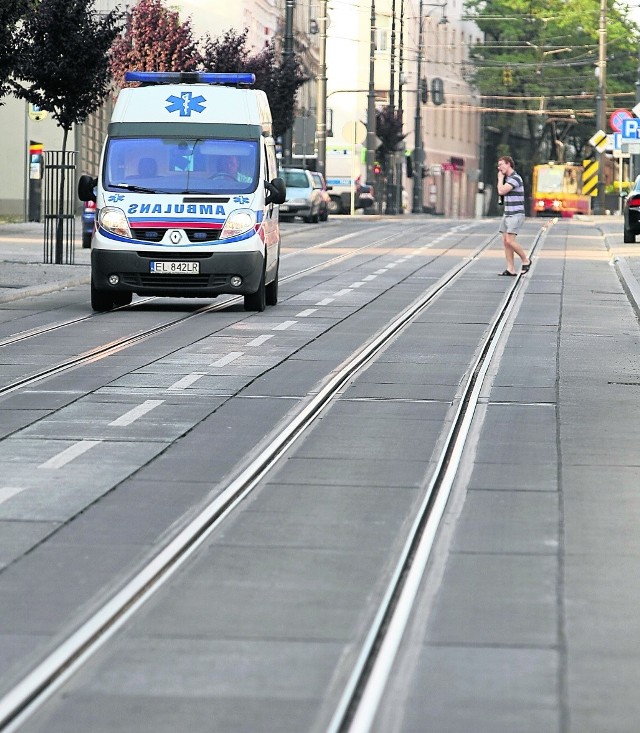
[187, 194]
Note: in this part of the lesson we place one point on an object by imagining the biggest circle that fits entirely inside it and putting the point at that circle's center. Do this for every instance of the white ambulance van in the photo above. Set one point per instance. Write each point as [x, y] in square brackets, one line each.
[187, 193]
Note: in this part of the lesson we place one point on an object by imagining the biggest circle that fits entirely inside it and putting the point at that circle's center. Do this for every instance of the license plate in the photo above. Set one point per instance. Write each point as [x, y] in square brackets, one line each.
[284, 207]
[175, 267]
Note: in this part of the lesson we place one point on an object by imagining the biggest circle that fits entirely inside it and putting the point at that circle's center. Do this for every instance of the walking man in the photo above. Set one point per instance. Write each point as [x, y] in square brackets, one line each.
[511, 188]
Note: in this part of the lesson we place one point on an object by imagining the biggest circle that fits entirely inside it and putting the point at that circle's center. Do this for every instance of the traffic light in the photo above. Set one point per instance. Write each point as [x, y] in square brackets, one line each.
[437, 90]
[424, 91]
[507, 76]
[377, 169]
[409, 166]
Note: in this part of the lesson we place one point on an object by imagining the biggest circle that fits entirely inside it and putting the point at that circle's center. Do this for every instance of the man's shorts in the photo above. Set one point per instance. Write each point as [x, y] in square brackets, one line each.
[512, 223]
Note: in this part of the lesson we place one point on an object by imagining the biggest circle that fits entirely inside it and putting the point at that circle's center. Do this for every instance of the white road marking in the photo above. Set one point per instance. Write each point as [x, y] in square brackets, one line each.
[258, 341]
[135, 413]
[231, 356]
[308, 312]
[325, 301]
[346, 291]
[379, 272]
[6, 492]
[369, 277]
[284, 325]
[186, 381]
[356, 285]
[69, 454]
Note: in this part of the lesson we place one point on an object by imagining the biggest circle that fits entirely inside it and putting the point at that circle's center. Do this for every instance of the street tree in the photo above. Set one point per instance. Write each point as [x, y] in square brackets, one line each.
[11, 12]
[155, 39]
[535, 72]
[62, 67]
[279, 77]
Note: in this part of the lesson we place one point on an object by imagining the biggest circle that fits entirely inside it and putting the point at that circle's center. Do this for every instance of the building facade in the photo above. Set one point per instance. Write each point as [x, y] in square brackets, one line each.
[449, 131]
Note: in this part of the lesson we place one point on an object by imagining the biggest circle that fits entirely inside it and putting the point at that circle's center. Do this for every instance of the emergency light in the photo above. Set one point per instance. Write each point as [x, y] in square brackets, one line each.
[188, 77]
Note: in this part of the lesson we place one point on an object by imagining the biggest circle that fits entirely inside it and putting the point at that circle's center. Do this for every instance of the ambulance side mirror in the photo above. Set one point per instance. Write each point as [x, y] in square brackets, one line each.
[276, 191]
[87, 188]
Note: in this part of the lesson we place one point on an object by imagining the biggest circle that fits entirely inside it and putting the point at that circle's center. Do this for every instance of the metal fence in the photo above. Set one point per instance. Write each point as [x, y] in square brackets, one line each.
[59, 206]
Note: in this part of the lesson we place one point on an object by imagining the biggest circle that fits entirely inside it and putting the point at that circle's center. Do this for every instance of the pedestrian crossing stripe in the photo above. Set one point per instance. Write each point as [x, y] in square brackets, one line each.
[590, 177]
[599, 141]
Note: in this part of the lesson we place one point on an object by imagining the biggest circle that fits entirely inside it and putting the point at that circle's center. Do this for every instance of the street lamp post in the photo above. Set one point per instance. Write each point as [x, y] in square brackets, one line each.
[601, 102]
[321, 125]
[418, 152]
[287, 53]
[371, 99]
[418, 149]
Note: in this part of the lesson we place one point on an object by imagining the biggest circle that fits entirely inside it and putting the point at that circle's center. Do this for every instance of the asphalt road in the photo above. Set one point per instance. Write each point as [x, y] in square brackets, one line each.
[526, 619]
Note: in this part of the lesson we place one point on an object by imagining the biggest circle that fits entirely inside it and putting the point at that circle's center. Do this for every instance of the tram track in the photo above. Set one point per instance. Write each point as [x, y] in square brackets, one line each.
[44, 680]
[117, 345]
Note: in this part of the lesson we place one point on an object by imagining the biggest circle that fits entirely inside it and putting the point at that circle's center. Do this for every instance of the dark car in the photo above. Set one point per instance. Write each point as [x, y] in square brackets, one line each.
[631, 211]
[88, 222]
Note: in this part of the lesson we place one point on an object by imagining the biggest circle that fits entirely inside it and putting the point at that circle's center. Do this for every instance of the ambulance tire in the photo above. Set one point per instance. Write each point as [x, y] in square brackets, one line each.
[271, 291]
[101, 300]
[122, 298]
[257, 301]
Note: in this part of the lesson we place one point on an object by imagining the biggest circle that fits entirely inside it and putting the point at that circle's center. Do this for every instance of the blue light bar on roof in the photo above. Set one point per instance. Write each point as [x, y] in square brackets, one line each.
[188, 77]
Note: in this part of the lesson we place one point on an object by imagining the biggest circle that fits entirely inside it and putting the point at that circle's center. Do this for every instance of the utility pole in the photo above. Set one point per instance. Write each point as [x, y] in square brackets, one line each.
[391, 195]
[287, 152]
[418, 151]
[371, 99]
[321, 125]
[601, 100]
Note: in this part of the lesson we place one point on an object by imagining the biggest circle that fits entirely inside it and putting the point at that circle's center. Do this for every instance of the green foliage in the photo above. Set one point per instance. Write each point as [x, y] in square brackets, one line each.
[537, 63]
[280, 79]
[11, 12]
[389, 130]
[154, 40]
[62, 58]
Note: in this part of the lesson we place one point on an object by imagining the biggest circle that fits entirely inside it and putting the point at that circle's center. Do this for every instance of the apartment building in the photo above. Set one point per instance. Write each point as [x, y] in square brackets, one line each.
[449, 132]
[441, 38]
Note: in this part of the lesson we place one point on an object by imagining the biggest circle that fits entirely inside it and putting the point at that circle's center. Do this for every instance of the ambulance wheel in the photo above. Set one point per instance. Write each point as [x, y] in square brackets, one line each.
[271, 291]
[101, 300]
[629, 236]
[257, 301]
[122, 298]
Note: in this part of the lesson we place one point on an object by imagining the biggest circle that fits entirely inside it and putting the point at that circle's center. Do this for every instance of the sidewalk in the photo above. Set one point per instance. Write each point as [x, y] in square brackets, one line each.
[22, 270]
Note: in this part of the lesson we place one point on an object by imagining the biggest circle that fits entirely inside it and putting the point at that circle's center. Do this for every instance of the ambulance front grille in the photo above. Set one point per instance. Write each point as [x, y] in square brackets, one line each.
[196, 236]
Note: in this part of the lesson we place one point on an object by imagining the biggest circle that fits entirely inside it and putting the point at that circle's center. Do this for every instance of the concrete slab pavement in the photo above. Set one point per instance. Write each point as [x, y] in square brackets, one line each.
[23, 272]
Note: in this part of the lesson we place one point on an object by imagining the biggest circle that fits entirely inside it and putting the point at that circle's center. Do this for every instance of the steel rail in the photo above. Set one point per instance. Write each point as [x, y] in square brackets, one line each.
[365, 688]
[105, 350]
[54, 670]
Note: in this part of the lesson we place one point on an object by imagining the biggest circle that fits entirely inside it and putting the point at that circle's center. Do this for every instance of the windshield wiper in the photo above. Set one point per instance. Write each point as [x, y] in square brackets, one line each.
[131, 187]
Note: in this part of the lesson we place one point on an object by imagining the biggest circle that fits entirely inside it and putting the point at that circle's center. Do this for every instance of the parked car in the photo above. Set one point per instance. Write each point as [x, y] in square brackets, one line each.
[303, 197]
[322, 185]
[88, 222]
[631, 212]
[341, 200]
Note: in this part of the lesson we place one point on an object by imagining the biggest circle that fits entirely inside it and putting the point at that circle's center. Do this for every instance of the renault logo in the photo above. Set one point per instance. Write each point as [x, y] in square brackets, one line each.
[175, 236]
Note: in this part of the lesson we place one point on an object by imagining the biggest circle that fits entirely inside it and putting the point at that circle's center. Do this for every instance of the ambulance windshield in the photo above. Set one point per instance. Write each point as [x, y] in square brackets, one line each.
[172, 165]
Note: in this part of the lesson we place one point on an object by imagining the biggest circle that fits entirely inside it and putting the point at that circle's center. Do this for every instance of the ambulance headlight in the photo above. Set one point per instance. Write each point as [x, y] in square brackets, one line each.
[115, 221]
[238, 222]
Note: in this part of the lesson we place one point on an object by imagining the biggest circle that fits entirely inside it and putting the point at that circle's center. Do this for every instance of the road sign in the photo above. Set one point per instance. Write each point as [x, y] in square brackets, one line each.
[616, 118]
[436, 169]
[636, 110]
[37, 113]
[590, 177]
[630, 129]
[599, 141]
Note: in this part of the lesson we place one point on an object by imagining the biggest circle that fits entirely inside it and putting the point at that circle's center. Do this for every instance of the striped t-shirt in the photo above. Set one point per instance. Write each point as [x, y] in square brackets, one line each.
[514, 200]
